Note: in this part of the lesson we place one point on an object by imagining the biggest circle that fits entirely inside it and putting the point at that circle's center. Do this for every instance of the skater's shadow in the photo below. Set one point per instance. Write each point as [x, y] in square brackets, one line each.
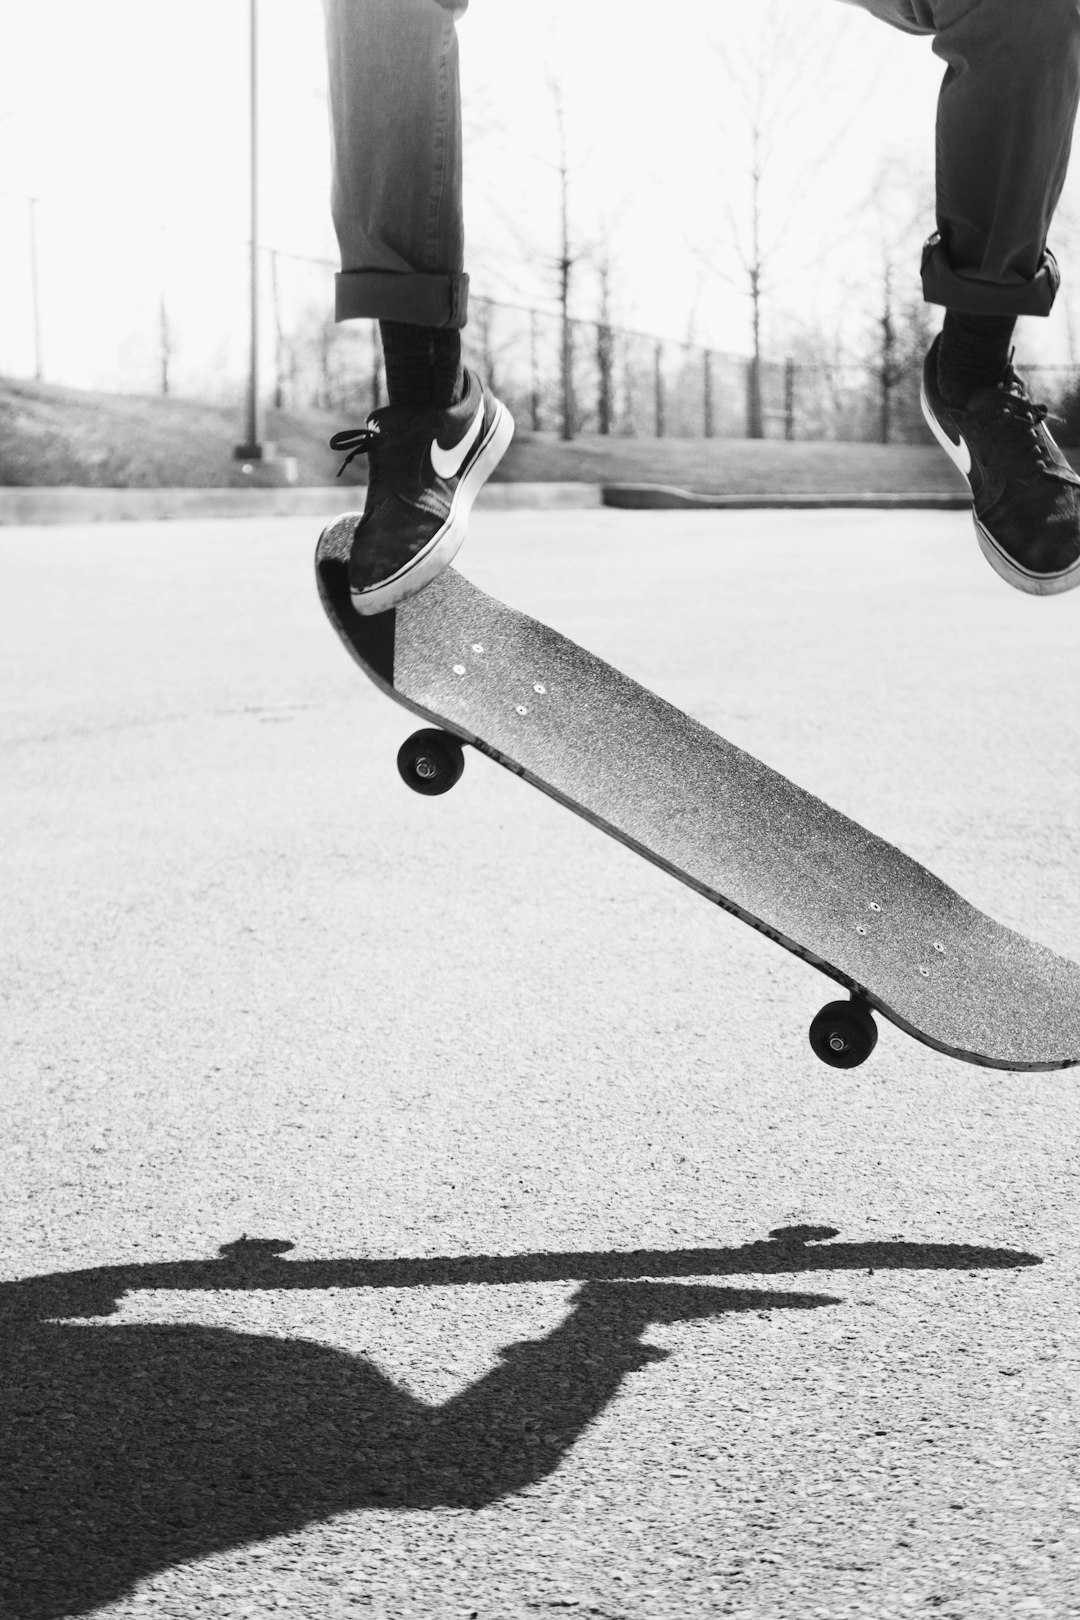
[128, 1448]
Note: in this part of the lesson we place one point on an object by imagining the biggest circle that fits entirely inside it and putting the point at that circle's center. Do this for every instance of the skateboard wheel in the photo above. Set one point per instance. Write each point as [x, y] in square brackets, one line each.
[844, 1034]
[430, 761]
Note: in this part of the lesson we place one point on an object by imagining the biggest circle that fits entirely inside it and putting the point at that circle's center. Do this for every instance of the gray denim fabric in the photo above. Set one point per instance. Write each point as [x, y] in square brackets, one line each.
[1005, 122]
[395, 128]
[1004, 132]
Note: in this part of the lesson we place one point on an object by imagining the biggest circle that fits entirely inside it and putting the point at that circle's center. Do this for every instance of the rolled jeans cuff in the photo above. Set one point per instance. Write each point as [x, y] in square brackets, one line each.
[971, 295]
[414, 297]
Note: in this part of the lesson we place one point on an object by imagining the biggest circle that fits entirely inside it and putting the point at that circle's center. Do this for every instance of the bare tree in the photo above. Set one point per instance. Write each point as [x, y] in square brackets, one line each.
[1066, 241]
[605, 346]
[769, 70]
[567, 261]
[601, 257]
[282, 355]
[166, 341]
[166, 326]
[902, 205]
[575, 248]
[483, 317]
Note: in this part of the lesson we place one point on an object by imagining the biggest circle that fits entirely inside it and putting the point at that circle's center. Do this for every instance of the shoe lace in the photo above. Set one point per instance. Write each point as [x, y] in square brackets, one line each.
[1029, 415]
[357, 441]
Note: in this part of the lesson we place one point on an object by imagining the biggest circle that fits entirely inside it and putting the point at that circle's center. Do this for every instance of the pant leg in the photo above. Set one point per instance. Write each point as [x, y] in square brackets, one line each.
[395, 126]
[1004, 132]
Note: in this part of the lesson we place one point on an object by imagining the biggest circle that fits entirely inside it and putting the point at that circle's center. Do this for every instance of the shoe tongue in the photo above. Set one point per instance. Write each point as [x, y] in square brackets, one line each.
[403, 422]
[393, 415]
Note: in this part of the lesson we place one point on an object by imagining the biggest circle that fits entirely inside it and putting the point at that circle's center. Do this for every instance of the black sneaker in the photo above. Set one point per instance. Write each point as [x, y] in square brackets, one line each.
[427, 466]
[1026, 496]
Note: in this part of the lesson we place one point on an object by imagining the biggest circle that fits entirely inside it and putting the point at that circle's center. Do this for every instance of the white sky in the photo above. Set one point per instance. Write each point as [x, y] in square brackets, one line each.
[128, 119]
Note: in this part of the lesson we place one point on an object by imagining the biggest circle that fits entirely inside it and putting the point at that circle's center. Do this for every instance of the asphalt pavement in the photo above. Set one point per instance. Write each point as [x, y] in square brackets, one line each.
[426, 1208]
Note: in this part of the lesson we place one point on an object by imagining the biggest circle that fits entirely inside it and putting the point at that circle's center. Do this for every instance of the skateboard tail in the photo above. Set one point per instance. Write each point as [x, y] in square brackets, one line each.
[369, 639]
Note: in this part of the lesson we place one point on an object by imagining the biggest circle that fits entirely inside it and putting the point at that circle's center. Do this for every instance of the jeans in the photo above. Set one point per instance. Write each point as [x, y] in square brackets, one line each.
[395, 128]
[1005, 121]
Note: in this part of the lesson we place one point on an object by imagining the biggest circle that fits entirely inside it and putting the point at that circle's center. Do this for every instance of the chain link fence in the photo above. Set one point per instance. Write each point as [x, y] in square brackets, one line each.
[117, 306]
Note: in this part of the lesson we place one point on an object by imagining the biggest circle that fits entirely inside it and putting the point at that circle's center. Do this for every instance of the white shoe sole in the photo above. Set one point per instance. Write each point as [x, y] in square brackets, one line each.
[444, 546]
[1006, 567]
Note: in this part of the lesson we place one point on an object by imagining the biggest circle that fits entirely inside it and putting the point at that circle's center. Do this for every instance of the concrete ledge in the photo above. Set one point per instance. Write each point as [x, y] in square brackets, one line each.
[664, 497]
[66, 503]
[541, 497]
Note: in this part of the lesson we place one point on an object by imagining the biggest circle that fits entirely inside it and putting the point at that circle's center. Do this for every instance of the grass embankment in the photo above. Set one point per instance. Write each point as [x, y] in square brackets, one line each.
[54, 436]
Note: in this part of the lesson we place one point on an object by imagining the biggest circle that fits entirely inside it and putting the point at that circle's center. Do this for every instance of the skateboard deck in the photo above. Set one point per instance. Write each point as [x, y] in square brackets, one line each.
[871, 918]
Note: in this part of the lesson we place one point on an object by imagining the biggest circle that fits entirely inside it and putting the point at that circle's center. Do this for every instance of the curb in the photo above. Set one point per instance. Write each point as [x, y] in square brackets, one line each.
[664, 497]
[69, 503]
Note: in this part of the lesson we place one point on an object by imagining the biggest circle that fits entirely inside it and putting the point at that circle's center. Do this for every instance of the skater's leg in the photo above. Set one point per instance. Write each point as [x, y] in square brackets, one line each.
[1004, 132]
[1005, 123]
[396, 196]
[395, 122]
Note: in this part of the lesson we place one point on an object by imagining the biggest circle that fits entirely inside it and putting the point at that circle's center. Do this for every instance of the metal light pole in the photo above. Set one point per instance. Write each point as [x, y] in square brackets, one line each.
[35, 291]
[253, 448]
[35, 276]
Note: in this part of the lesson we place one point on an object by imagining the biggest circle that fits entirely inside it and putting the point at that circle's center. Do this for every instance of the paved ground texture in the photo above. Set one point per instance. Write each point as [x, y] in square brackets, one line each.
[424, 1207]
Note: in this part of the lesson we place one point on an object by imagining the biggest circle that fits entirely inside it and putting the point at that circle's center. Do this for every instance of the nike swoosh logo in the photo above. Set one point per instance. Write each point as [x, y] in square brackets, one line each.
[447, 463]
[956, 449]
[960, 453]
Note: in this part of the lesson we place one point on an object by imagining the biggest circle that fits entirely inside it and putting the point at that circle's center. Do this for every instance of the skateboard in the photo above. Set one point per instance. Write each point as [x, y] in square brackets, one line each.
[900, 941]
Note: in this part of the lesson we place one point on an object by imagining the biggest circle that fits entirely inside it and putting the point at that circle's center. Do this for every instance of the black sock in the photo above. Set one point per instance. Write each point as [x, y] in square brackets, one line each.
[447, 377]
[423, 363]
[973, 353]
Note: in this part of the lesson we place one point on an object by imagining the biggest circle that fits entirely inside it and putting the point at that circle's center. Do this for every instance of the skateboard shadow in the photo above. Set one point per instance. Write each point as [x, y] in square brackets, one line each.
[131, 1448]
